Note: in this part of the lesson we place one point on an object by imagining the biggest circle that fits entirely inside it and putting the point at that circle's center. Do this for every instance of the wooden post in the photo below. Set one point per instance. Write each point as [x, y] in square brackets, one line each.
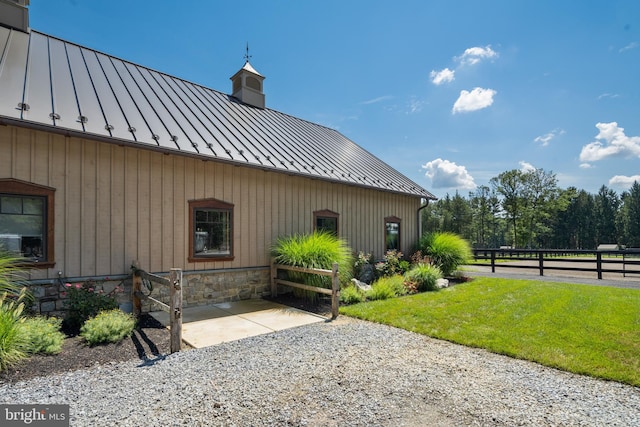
[274, 285]
[175, 308]
[493, 260]
[136, 289]
[599, 264]
[335, 294]
[541, 262]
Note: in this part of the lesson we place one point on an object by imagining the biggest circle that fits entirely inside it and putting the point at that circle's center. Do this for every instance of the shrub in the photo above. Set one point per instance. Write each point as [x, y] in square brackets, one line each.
[351, 295]
[447, 251]
[424, 276]
[42, 335]
[317, 250]
[86, 300]
[386, 287]
[108, 327]
[12, 343]
[392, 264]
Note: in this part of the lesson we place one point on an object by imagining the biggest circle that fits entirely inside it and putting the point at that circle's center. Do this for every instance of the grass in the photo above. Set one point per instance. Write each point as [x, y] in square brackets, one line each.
[12, 344]
[588, 330]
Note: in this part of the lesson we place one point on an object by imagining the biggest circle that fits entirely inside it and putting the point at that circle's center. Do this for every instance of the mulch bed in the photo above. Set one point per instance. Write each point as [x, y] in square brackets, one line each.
[149, 340]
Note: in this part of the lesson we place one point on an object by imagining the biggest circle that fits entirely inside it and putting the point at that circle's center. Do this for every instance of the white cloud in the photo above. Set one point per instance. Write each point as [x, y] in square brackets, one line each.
[526, 167]
[473, 55]
[585, 165]
[609, 95]
[442, 76]
[477, 99]
[546, 138]
[415, 106]
[376, 100]
[630, 46]
[612, 142]
[446, 174]
[623, 182]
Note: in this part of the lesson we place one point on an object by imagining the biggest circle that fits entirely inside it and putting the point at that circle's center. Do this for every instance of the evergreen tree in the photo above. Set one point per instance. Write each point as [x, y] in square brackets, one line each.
[629, 217]
[606, 208]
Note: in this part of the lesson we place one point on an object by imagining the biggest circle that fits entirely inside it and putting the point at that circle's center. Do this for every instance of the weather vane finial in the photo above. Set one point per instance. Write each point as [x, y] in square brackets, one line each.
[246, 55]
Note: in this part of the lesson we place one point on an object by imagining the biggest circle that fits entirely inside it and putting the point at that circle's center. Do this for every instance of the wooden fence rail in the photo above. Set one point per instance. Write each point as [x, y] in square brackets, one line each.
[626, 262]
[333, 273]
[174, 308]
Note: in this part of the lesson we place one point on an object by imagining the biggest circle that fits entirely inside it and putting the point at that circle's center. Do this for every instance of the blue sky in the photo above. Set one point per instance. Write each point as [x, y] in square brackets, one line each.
[450, 93]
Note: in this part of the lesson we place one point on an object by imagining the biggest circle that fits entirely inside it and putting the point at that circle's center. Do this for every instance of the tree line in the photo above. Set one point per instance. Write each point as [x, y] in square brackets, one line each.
[527, 209]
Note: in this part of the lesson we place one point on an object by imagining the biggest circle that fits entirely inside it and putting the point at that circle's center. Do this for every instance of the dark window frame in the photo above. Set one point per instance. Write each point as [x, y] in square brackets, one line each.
[393, 220]
[326, 213]
[214, 204]
[16, 187]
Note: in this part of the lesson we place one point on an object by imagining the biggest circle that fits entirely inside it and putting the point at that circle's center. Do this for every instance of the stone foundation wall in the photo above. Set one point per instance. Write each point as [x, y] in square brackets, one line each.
[216, 286]
[199, 288]
[51, 299]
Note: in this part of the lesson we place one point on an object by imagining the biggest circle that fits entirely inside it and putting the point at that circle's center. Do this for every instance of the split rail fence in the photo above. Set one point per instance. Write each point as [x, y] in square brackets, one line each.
[174, 308]
[333, 273]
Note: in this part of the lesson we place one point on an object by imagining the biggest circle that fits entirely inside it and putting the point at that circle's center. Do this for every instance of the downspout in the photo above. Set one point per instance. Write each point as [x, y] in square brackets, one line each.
[419, 213]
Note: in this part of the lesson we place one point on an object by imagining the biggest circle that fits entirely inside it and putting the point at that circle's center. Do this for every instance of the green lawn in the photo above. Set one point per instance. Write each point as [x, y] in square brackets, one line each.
[584, 329]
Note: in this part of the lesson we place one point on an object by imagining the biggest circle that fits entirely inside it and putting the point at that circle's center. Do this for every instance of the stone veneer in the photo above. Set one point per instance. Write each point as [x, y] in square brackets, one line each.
[199, 288]
[216, 286]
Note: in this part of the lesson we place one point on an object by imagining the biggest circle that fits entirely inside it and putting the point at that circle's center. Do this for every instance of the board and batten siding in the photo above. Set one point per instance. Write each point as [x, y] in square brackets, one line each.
[118, 203]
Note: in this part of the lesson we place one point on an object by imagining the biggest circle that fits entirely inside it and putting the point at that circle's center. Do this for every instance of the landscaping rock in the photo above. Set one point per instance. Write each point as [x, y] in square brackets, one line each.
[367, 274]
[361, 285]
[442, 283]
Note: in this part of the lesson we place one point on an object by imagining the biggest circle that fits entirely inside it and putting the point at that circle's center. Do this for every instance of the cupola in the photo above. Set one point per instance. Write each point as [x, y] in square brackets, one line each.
[247, 85]
[15, 14]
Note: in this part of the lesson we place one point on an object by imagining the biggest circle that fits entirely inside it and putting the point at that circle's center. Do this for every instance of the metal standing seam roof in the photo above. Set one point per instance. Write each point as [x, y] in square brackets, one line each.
[59, 86]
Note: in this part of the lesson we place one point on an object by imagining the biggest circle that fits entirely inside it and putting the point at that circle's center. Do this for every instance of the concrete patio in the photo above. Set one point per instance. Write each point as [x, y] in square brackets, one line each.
[203, 326]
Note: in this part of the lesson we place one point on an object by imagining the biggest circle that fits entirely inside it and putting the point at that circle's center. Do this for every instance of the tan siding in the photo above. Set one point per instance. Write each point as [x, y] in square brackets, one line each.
[103, 210]
[155, 220]
[116, 221]
[73, 208]
[131, 205]
[181, 219]
[57, 176]
[117, 204]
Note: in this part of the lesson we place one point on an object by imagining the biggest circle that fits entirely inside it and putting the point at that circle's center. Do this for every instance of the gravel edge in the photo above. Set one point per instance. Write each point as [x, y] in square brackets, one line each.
[342, 373]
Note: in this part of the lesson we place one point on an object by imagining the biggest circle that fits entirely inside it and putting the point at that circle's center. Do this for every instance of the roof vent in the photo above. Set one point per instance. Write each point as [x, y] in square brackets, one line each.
[247, 84]
[14, 14]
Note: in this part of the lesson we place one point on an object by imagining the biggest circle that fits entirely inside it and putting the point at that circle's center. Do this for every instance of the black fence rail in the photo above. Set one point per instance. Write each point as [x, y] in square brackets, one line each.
[624, 261]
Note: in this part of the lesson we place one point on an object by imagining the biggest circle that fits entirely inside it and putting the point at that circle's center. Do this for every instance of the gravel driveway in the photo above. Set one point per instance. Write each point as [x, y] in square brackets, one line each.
[344, 373]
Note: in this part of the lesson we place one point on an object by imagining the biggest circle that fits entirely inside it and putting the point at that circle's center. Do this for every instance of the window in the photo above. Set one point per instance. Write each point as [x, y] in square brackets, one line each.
[326, 220]
[210, 230]
[392, 233]
[26, 220]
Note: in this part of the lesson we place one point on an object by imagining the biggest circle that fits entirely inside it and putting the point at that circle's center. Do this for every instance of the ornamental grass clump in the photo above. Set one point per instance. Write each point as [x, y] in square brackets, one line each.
[12, 342]
[42, 335]
[386, 287]
[109, 326]
[447, 251]
[351, 295]
[424, 277]
[12, 276]
[317, 250]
